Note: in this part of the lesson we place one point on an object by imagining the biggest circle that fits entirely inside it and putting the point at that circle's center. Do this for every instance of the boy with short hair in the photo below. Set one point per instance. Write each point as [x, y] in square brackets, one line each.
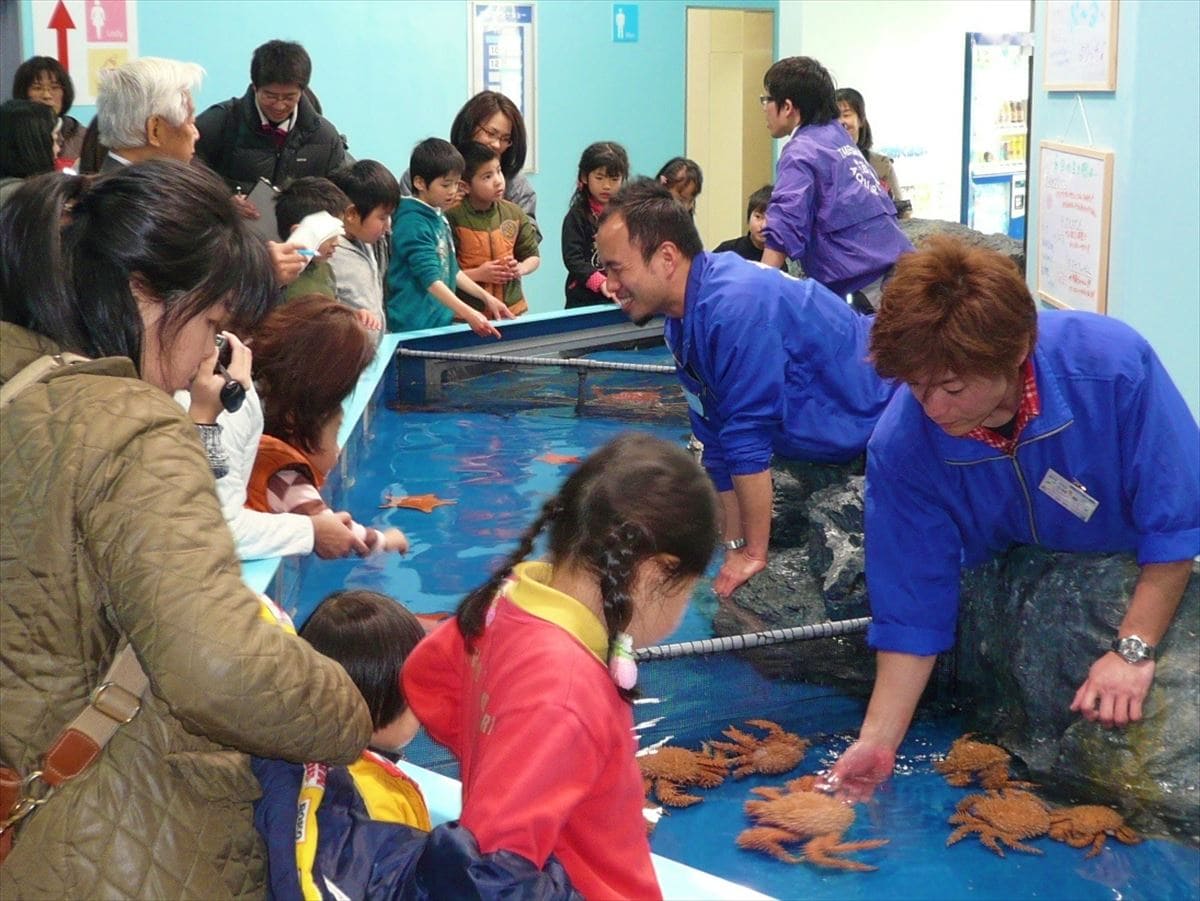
[750, 245]
[423, 265]
[301, 198]
[374, 195]
[496, 240]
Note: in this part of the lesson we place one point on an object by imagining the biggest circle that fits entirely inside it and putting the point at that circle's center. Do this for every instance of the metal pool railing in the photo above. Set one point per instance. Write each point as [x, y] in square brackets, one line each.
[753, 639]
[563, 362]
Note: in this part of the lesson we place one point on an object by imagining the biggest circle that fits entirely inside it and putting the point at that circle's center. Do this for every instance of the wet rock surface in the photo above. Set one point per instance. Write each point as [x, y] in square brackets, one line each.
[919, 230]
[1031, 623]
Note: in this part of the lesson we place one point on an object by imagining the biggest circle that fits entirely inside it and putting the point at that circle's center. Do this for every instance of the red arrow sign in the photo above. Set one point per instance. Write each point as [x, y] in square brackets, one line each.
[61, 21]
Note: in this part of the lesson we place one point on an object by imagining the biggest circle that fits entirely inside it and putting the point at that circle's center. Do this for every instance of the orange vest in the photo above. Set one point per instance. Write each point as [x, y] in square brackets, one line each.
[275, 455]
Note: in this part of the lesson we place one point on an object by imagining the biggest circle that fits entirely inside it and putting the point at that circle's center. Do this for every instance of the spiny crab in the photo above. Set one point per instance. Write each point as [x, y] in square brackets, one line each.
[777, 752]
[969, 759]
[798, 813]
[1090, 824]
[1001, 817]
[668, 769]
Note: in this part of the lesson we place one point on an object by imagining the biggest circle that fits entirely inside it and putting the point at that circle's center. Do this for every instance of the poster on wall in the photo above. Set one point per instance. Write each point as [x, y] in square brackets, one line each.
[502, 54]
[1081, 45]
[1074, 192]
[86, 36]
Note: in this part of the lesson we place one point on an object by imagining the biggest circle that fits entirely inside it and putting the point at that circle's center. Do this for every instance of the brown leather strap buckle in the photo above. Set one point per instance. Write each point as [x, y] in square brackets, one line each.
[28, 803]
[115, 702]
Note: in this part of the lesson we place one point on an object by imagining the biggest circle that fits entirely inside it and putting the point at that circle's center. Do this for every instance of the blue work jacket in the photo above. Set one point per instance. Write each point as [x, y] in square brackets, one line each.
[772, 365]
[1112, 426]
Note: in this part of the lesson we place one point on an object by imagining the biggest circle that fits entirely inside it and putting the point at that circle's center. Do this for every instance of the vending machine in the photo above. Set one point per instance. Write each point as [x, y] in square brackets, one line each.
[996, 131]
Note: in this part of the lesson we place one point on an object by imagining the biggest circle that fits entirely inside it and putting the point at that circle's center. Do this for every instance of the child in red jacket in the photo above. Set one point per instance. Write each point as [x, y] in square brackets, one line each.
[530, 684]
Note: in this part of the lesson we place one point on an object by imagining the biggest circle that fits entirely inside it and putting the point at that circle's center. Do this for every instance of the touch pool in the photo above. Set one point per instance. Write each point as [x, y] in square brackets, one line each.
[480, 445]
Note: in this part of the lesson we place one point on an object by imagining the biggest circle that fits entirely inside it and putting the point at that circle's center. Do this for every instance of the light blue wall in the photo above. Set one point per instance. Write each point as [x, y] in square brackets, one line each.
[392, 72]
[1152, 125]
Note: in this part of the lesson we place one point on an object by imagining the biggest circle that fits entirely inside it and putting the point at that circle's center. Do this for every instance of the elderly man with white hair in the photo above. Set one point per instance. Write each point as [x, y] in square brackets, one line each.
[144, 110]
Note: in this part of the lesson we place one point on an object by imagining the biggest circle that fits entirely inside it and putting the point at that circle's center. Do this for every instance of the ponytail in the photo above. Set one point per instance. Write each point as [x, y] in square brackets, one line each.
[35, 268]
[619, 555]
[471, 610]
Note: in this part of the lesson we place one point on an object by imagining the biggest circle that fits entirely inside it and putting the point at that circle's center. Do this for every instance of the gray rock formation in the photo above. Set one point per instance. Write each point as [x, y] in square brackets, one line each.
[919, 230]
[1031, 623]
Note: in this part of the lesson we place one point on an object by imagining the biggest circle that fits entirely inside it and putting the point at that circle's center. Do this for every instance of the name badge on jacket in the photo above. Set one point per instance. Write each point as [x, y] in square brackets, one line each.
[1069, 495]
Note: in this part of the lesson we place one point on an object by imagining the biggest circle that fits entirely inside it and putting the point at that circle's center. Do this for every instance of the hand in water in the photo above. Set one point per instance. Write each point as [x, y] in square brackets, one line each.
[859, 771]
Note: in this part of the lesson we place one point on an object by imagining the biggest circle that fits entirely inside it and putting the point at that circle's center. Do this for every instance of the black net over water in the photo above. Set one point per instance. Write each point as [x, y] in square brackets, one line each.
[499, 387]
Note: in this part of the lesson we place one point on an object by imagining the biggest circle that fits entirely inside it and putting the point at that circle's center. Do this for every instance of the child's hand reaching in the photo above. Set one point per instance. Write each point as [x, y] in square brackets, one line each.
[497, 309]
[395, 540]
[480, 325]
[368, 320]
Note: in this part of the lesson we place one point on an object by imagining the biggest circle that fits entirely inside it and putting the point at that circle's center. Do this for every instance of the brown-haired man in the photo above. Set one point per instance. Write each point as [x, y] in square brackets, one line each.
[1060, 429]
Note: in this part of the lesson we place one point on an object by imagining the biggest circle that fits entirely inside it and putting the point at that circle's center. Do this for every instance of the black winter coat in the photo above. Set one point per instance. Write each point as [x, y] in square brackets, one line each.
[233, 145]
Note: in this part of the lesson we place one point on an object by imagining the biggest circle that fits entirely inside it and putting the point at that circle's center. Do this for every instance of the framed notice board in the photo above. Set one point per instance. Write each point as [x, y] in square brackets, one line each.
[1074, 200]
[1081, 45]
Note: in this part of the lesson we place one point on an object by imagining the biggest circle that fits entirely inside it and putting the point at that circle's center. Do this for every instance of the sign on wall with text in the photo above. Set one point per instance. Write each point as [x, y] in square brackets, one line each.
[502, 58]
[1074, 191]
[86, 37]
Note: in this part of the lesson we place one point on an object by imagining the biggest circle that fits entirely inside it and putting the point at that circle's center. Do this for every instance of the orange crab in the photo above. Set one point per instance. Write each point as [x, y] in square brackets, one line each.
[668, 769]
[796, 813]
[778, 752]
[1090, 824]
[1001, 817]
[969, 759]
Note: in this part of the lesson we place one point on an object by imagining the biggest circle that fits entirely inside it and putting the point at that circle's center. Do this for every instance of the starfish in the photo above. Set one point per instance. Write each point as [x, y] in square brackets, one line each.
[557, 459]
[423, 502]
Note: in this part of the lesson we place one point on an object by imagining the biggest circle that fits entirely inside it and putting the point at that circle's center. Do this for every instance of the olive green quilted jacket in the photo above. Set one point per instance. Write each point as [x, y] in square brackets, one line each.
[110, 531]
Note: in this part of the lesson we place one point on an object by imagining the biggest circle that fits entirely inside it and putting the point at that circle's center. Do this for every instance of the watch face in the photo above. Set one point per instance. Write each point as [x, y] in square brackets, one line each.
[1133, 649]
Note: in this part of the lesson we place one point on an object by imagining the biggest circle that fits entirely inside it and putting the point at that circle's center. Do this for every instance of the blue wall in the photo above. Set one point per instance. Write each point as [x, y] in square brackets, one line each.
[392, 72]
[1151, 123]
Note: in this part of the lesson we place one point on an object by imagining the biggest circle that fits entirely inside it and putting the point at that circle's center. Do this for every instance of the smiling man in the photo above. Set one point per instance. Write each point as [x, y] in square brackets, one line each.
[769, 364]
[273, 131]
[1059, 429]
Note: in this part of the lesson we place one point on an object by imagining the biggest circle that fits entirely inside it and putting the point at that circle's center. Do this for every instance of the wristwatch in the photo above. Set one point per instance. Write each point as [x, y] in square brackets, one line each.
[736, 544]
[1133, 649]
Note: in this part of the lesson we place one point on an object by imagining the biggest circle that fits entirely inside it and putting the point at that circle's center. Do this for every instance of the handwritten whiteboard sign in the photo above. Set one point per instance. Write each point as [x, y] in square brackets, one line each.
[1074, 194]
[1081, 45]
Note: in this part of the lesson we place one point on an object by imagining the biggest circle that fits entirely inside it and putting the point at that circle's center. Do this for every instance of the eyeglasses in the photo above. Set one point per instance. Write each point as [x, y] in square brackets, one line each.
[272, 97]
[764, 99]
[498, 137]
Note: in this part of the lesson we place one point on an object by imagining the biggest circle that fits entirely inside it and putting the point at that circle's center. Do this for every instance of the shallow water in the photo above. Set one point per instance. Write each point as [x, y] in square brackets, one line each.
[487, 463]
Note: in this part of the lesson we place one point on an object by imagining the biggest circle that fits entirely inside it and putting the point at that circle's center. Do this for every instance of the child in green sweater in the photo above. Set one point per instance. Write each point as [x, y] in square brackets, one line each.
[423, 264]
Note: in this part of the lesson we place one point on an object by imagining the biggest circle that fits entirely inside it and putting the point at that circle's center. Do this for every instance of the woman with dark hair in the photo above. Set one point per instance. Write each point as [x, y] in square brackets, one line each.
[28, 141]
[113, 539]
[491, 118]
[42, 79]
[852, 113]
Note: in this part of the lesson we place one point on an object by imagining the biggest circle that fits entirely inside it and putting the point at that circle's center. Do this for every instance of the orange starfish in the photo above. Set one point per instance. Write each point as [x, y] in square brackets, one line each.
[558, 459]
[423, 502]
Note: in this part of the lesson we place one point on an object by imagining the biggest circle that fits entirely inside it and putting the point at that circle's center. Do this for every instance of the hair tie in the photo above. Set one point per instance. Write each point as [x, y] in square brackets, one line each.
[621, 664]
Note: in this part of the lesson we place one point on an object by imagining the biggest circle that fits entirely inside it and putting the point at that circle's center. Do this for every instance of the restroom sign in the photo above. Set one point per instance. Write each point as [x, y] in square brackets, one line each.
[625, 23]
[86, 37]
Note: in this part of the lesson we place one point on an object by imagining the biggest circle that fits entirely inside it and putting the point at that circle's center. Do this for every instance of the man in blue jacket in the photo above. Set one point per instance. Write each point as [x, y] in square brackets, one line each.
[1061, 430]
[828, 210]
[769, 364]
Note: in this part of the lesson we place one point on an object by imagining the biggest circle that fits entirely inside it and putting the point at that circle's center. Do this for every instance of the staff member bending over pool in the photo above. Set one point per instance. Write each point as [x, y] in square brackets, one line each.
[1060, 429]
[769, 364]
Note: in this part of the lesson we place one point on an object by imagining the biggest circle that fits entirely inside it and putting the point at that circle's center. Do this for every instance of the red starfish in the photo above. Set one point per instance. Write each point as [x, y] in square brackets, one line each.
[423, 502]
[558, 459]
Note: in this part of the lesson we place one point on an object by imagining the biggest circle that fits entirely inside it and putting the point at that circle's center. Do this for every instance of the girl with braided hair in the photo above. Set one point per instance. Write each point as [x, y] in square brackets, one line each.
[529, 684]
